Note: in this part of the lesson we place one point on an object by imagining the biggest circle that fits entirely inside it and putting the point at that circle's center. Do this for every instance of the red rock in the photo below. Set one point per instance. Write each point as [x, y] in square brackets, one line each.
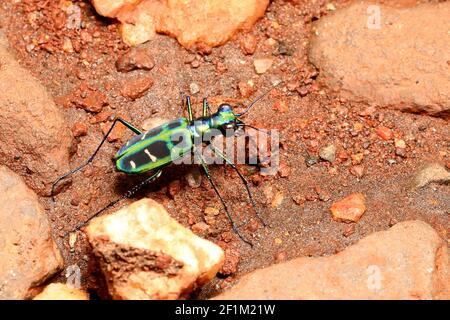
[230, 265]
[384, 133]
[221, 67]
[89, 99]
[343, 155]
[32, 126]
[136, 58]
[79, 129]
[174, 188]
[245, 89]
[29, 255]
[368, 69]
[102, 116]
[408, 261]
[299, 199]
[248, 44]
[252, 225]
[349, 209]
[192, 23]
[281, 256]
[284, 170]
[357, 171]
[145, 254]
[137, 87]
[115, 134]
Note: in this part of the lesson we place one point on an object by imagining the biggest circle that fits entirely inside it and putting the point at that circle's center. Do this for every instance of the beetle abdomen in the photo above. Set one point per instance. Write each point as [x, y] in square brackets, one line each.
[155, 148]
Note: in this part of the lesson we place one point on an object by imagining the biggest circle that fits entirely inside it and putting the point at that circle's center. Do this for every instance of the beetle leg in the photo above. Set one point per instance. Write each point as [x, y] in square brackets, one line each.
[206, 110]
[233, 225]
[91, 158]
[189, 108]
[126, 195]
[244, 181]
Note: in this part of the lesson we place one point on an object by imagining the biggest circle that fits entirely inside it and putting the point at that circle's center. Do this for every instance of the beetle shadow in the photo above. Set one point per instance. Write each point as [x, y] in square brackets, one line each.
[124, 182]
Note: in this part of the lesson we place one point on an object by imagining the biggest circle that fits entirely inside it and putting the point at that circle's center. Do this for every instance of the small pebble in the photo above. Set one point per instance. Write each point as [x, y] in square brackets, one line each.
[246, 88]
[391, 161]
[357, 171]
[384, 133]
[194, 178]
[401, 152]
[72, 240]
[137, 87]
[200, 228]
[211, 211]
[174, 188]
[262, 65]
[79, 129]
[248, 44]
[194, 88]
[278, 241]
[277, 199]
[281, 256]
[349, 209]
[328, 153]
[399, 143]
[310, 161]
[136, 58]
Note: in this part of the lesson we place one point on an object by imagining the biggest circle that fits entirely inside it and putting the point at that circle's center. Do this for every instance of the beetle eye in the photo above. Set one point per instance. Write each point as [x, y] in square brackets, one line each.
[224, 107]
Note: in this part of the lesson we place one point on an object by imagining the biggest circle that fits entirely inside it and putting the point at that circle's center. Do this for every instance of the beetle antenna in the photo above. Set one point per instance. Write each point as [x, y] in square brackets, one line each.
[258, 99]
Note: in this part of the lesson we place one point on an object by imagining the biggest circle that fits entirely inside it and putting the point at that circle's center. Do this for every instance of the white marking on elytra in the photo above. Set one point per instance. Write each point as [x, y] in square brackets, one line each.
[133, 164]
[143, 137]
[152, 157]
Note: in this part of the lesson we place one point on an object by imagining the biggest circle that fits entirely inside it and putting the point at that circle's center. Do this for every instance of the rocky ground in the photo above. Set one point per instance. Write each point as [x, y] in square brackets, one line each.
[362, 113]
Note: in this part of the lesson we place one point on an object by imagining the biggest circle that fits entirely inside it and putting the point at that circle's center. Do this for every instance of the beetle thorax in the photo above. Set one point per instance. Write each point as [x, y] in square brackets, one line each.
[218, 120]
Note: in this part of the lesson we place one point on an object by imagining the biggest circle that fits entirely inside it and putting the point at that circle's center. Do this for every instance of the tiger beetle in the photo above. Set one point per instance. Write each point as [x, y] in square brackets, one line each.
[153, 150]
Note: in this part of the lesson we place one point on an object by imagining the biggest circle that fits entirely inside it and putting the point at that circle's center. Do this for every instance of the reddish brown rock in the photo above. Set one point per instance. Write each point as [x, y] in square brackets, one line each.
[89, 99]
[246, 89]
[145, 254]
[79, 129]
[136, 58]
[61, 291]
[384, 133]
[117, 132]
[248, 44]
[408, 261]
[357, 171]
[28, 254]
[136, 87]
[230, 265]
[358, 53]
[35, 138]
[208, 24]
[349, 209]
